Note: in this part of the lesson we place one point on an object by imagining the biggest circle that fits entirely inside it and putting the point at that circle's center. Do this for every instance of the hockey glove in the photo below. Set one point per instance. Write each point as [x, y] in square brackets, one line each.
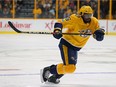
[99, 34]
[57, 30]
[57, 33]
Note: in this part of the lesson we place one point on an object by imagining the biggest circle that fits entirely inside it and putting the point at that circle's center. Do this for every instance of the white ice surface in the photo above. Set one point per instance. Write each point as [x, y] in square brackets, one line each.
[22, 56]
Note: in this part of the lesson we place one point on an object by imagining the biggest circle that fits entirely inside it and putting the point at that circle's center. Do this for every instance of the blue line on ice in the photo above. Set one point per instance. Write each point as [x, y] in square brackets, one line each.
[29, 74]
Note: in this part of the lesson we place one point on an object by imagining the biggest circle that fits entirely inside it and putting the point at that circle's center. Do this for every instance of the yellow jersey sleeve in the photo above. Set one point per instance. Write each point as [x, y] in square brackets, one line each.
[68, 23]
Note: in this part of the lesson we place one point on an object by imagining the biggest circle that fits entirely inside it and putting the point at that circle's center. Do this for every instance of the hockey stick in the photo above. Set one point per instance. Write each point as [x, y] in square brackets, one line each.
[30, 32]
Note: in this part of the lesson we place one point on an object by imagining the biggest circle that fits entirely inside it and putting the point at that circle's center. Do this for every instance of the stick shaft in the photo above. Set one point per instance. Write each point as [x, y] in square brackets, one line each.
[30, 32]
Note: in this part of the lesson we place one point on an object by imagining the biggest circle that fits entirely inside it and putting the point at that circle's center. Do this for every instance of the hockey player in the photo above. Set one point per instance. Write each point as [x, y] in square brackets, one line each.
[83, 23]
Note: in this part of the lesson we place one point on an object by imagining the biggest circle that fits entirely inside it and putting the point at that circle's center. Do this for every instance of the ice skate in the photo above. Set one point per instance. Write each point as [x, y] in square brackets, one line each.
[53, 79]
[44, 74]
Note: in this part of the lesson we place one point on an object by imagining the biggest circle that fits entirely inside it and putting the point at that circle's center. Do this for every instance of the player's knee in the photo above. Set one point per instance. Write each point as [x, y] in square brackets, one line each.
[63, 69]
[70, 68]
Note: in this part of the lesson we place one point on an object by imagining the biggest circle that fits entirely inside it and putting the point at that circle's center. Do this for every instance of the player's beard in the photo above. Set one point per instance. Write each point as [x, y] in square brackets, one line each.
[86, 20]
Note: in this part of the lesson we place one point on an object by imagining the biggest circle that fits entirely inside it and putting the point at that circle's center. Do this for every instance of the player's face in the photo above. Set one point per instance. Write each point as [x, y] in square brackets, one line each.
[87, 17]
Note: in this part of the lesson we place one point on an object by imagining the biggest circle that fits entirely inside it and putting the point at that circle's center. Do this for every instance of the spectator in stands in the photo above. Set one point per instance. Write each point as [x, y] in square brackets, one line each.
[52, 12]
[18, 6]
[114, 15]
[67, 13]
[5, 8]
[104, 6]
[71, 4]
[40, 7]
[8, 3]
[67, 7]
[48, 8]
[74, 10]
[1, 12]
[114, 9]
[6, 12]
[63, 8]
[38, 11]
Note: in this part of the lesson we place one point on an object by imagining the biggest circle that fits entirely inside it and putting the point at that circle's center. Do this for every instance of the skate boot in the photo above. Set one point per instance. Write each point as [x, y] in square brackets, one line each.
[44, 74]
[55, 79]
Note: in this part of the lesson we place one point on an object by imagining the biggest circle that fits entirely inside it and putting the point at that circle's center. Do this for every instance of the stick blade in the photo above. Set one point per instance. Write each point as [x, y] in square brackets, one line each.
[13, 27]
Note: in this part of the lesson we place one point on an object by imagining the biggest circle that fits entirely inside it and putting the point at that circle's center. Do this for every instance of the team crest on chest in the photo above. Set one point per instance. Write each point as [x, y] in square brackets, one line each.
[85, 31]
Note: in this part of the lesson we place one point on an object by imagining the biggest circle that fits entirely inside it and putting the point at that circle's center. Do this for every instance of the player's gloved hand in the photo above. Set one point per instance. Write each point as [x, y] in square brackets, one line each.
[57, 30]
[57, 33]
[99, 34]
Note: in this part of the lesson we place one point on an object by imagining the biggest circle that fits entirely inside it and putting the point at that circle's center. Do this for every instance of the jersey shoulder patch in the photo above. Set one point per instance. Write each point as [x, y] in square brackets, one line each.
[66, 19]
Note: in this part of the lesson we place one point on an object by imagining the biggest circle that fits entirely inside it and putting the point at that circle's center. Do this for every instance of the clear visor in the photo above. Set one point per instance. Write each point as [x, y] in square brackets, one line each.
[86, 15]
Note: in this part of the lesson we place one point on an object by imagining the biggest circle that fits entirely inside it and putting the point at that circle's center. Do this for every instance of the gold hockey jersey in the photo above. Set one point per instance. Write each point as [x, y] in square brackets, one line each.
[75, 24]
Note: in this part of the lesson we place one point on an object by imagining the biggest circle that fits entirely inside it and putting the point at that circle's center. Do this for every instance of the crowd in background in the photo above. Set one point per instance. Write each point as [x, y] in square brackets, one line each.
[48, 8]
[5, 8]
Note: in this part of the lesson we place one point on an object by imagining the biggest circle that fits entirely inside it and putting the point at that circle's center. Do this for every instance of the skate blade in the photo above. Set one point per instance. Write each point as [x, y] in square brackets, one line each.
[50, 83]
[41, 76]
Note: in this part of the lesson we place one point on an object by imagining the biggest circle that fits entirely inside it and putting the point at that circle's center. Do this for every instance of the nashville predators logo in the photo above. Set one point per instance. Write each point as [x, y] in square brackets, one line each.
[83, 33]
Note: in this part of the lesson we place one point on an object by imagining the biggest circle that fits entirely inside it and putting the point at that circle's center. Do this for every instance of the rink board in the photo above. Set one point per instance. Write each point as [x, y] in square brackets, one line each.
[47, 25]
